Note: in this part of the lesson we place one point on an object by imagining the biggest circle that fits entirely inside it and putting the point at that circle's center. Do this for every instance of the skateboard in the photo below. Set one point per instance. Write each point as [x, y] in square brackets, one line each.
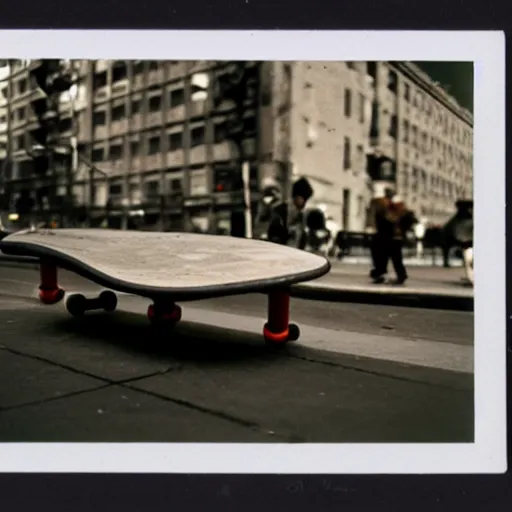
[168, 268]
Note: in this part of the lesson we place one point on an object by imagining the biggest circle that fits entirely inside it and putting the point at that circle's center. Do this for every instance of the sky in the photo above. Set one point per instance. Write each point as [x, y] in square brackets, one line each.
[456, 77]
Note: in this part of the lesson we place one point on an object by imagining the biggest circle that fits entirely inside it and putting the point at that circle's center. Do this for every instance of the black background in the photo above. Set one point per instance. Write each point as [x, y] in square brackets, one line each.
[270, 492]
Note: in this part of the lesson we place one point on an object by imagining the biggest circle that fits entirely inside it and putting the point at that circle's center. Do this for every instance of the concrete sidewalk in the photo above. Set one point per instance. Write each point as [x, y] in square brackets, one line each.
[427, 287]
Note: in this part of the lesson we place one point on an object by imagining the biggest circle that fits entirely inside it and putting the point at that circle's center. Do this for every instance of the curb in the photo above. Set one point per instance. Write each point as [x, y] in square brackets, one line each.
[402, 297]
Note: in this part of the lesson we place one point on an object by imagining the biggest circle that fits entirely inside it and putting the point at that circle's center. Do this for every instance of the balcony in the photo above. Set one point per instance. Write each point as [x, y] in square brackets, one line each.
[156, 76]
[198, 109]
[138, 82]
[99, 132]
[153, 162]
[224, 151]
[198, 155]
[136, 164]
[154, 119]
[176, 114]
[101, 65]
[177, 69]
[120, 88]
[175, 158]
[118, 127]
[101, 94]
[136, 123]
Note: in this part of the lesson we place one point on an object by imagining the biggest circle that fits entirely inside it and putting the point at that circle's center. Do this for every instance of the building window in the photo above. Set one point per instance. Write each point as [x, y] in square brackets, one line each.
[65, 125]
[100, 80]
[154, 65]
[348, 103]
[405, 178]
[220, 132]
[371, 69]
[134, 148]
[115, 190]
[98, 155]
[138, 67]
[346, 154]
[350, 64]
[119, 71]
[21, 114]
[177, 98]
[22, 86]
[175, 141]
[414, 137]
[155, 103]
[197, 136]
[136, 107]
[392, 81]
[362, 103]
[154, 145]
[116, 152]
[20, 142]
[118, 113]
[414, 184]
[393, 126]
[406, 131]
[407, 92]
[99, 118]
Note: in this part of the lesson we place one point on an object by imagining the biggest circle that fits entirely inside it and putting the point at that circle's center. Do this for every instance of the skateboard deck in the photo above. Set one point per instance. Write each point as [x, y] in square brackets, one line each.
[167, 267]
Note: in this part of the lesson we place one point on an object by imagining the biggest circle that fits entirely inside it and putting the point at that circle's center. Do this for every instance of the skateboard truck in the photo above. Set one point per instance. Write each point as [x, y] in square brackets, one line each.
[49, 291]
[164, 313]
[278, 330]
[77, 304]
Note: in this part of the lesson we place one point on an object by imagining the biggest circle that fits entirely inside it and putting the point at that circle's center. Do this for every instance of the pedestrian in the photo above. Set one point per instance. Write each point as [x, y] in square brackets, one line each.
[390, 220]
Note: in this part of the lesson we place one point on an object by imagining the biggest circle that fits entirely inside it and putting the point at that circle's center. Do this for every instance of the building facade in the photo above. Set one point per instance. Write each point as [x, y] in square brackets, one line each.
[152, 137]
[423, 138]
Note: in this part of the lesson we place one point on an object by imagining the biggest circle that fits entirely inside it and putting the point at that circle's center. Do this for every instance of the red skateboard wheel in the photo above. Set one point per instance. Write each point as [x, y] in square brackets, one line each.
[51, 296]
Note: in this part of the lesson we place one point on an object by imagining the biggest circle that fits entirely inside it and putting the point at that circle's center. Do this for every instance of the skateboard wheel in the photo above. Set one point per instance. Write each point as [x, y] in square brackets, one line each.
[49, 297]
[293, 332]
[167, 318]
[275, 338]
[109, 300]
[76, 305]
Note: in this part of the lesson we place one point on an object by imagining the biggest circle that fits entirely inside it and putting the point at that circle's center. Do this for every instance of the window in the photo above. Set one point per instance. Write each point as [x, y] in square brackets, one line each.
[414, 184]
[154, 145]
[99, 118]
[22, 86]
[152, 188]
[119, 71]
[118, 113]
[350, 65]
[405, 178]
[98, 155]
[138, 67]
[65, 125]
[414, 137]
[116, 152]
[154, 65]
[100, 80]
[406, 131]
[362, 102]
[177, 98]
[407, 92]
[115, 190]
[21, 114]
[175, 141]
[360, 156]
[392, 81]
[197, 136]
[220, 132]
[371, 69]
[348, 102]
[346, 154]
[393, 126]
[155, 103]
[134, 148]
[20, 142]
[136, 106]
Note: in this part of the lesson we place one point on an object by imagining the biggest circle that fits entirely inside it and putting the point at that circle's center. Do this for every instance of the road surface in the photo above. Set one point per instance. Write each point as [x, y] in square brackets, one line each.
[359, 373]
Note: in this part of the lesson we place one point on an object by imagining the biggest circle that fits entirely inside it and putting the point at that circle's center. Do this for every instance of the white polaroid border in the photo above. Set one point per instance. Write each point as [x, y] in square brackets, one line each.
[488, 453]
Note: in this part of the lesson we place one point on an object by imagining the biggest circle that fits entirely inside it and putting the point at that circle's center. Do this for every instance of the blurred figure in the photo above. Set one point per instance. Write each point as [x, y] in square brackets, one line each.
[390, 220]
[280, 221]
[419, 233]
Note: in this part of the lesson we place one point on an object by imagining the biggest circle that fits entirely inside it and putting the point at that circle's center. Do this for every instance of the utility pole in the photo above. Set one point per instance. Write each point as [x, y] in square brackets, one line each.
[235, 87]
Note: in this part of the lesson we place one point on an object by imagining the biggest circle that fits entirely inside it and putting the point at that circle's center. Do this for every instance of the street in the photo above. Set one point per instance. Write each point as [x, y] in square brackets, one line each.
[359, 373]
